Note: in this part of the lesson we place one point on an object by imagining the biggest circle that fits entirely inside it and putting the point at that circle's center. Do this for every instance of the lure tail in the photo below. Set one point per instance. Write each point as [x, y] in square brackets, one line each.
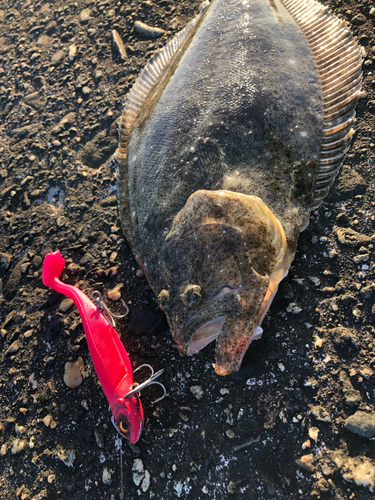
[52, 269]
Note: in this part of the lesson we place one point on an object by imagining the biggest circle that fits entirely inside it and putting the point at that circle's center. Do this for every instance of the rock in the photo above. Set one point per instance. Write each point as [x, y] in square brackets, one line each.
[66, 304]
[352, 396]
[18, 446]
[85, 16]
[361, 423]
[306, 462]
[320, 413]
[37, 261]
[367, 291]
[72, 375]
[359, 19]
[53, 330]
[57, 58]
[13, 284]
[115, 293]
[147, 31]
[99, 438]
[113, 257]
[101, 237]
[8, 319]
[197, 390]
[85, 259]
[51, 28]
[359, 469]
[66, 456]
[138, 471]
[107, 476]
[117, 42]
[313, 433]
[350, 183]
[348, 236]
[68, 119]
[111, 201]
[13, 348]
[72, 52]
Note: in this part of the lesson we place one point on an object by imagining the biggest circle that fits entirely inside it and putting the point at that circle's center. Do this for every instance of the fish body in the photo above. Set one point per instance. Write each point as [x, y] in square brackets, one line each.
[231, 135]
[111, 361]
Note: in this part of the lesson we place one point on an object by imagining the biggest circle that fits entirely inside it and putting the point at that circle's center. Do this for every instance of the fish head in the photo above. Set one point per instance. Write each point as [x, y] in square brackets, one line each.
[127, 417]
[224, 257]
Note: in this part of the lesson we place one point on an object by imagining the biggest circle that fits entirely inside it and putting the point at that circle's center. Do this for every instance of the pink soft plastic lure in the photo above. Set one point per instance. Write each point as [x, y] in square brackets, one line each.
[111, 361]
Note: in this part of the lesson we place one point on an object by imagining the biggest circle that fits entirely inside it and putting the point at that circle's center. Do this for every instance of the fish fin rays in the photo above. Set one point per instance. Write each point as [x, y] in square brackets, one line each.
[149, 78]
[339, 61]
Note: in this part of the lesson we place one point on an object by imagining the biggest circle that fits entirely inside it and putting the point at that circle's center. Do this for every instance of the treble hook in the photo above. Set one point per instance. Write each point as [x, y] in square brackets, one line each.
[109, 316]
[137, 388]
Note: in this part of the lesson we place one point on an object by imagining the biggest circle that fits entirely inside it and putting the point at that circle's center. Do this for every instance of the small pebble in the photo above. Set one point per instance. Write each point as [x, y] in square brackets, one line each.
[313, 433]
[197, 390]
[85, 16]
[107, 476]
[66, 304]
[72, 52]
[147, 31]
[18, 445]
[306, 462]
[72, 375]
[230, 433]
[115, 293]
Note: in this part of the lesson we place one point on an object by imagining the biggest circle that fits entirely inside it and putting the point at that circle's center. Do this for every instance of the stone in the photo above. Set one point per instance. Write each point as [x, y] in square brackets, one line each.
[72, 52]
[68, 119]
[359, 19]
[115, 293]
[350, 183]
[306, 462]
[72, 375]
[66, 304]
[37, 261]
[85, 16]
[53, 330]
[57, 58]
[13, 348]
[18, 446]
[110, 201]
[85, 259]
[361, 423]
[13, 284]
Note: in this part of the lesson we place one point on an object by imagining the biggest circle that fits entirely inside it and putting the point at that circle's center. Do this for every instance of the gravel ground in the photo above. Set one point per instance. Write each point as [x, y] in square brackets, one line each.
[296, 422]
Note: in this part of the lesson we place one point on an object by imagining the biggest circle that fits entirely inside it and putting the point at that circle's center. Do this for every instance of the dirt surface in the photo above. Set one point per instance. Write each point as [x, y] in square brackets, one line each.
[297, 421]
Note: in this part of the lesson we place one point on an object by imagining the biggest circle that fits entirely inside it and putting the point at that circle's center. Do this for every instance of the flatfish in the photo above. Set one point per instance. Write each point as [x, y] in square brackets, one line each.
[231, 135]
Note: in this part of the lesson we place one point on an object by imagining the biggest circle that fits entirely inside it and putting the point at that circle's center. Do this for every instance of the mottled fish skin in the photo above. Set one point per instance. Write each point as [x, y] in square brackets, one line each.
[221, 167]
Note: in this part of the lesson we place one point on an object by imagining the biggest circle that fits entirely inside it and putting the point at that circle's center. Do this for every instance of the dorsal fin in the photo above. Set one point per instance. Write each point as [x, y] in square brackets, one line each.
[339, 61]
[148, 79]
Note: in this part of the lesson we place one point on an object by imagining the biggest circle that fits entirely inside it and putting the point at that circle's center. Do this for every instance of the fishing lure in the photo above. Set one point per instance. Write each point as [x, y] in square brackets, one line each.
[111, 361]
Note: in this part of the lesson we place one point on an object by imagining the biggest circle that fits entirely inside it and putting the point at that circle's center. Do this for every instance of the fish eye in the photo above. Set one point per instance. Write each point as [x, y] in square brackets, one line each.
[124, 426]
[163, 299]
[192, 295]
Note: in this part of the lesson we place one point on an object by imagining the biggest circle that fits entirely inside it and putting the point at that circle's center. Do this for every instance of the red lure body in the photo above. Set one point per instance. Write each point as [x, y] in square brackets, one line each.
[111, 361]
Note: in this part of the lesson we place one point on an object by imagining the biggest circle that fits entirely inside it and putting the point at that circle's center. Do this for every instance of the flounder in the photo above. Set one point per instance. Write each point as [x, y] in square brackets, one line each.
[231, 135]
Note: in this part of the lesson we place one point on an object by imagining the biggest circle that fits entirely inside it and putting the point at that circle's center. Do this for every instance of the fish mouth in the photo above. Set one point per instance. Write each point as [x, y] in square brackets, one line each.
[205, 326]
